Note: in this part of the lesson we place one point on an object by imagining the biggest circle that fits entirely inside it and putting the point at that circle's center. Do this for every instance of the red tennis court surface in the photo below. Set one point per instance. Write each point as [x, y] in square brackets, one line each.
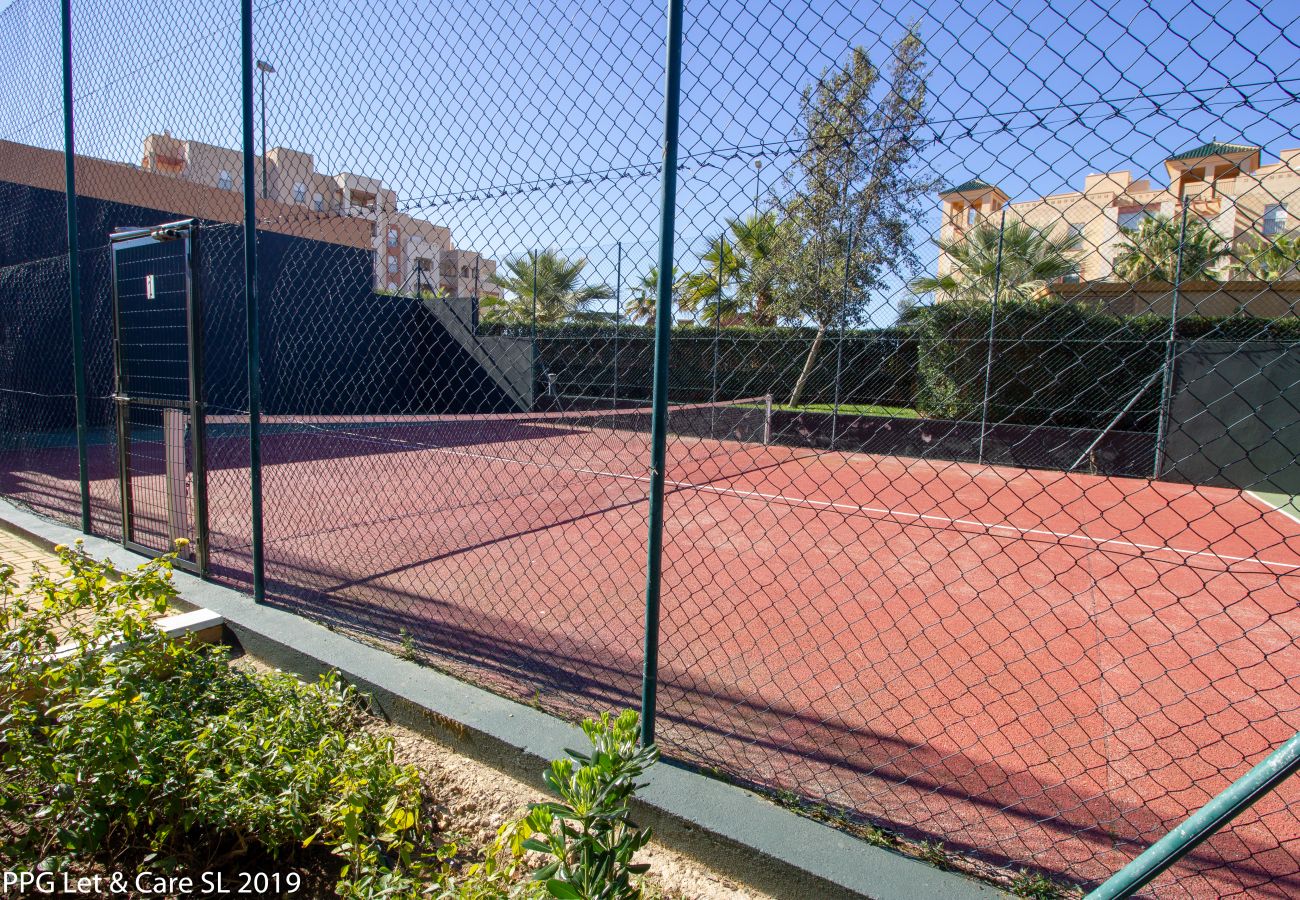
[1048, 669]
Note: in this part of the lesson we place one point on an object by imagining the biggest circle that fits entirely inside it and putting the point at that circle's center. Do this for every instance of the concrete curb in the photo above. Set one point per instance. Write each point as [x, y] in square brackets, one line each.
[733, 830]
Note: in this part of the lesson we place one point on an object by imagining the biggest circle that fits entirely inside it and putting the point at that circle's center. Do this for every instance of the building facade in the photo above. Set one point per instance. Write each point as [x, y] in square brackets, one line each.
[409, 253]
[1225, 185]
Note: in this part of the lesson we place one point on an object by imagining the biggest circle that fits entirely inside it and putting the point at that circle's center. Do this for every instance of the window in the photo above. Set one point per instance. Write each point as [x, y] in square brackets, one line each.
[1071, 277]
[970, 216]
[392, 285]
[1274, 219]
[392, 237]
[1074, 233]
[317, 202]
[1131, 219]
[224, 181]
[424, 265]
[299, 192]
[392, 265]
[464, 271]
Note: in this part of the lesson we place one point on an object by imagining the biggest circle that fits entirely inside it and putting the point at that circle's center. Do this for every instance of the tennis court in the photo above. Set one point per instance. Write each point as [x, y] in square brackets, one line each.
[1047, 665]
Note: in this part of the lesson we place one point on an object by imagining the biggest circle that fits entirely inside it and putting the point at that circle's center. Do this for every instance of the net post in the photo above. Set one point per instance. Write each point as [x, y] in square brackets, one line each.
[767, 419]
[1167, 384]
[250, 303]
[659, 396]
[74, 271]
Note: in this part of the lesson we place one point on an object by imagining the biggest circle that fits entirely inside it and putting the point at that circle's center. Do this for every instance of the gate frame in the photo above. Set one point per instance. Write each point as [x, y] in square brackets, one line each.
[184, 230]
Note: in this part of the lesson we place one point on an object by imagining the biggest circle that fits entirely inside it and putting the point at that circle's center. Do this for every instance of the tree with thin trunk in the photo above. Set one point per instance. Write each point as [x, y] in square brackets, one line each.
[855, 193]
[560, 291]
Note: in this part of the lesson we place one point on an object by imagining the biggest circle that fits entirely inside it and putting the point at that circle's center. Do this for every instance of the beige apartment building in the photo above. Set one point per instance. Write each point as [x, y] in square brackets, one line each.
[1225, 185]
[408, 251]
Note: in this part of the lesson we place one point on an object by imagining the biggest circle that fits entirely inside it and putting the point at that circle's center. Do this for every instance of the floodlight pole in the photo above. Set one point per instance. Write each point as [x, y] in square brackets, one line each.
[74, 272]
[659, 398]
[264, 68]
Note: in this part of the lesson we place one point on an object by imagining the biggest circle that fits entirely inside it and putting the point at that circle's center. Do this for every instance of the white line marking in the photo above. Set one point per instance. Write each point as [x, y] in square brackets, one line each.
[1263, 501]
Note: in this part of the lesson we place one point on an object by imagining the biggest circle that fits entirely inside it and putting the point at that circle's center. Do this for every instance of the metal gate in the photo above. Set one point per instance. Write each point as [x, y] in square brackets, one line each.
[157, 352]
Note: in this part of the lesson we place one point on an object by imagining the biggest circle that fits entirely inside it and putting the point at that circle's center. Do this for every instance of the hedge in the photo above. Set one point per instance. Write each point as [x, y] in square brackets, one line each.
[1057, 363]
[1054, 363]
[877, 366]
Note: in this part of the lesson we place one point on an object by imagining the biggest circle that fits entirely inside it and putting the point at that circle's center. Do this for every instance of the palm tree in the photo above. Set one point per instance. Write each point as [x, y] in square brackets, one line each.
[640, 306]
[704, 292]
[560, 293]
[754, 238]
[1030, 259]
[736, 274]
[1275, 260]
[1150, 252]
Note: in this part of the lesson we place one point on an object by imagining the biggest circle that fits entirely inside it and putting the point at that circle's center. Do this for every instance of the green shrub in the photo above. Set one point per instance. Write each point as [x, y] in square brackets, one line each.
[127, 745]
[131, 743]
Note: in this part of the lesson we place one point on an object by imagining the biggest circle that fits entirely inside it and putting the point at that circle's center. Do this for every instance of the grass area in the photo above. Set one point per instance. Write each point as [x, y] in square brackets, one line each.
[852, 409]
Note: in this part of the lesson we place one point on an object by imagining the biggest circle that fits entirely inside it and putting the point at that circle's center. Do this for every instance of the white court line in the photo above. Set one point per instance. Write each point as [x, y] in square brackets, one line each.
[1265, 502]
[989, 528]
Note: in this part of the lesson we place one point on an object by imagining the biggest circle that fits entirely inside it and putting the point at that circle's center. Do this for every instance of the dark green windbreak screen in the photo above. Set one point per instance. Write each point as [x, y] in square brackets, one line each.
[1234, 417]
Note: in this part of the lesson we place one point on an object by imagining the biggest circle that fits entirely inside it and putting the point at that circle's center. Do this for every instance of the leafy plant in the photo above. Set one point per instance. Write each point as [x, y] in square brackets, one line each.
[1151, 251]
[1037, 886]
[1274, 260]
[548, 283]
[128, 742]
[1019, 259]
[587, 832]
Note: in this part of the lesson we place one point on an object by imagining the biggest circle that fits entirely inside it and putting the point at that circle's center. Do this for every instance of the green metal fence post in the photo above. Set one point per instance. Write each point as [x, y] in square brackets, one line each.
[618, 315]
[659, 397]
[74, 273]
[1280, 765]
[993, 323]
[1167, 385]
[533, 334]
[250, 304]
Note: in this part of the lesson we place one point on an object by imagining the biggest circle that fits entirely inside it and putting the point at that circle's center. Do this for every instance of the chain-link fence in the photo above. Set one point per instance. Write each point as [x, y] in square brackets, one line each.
[979, 534]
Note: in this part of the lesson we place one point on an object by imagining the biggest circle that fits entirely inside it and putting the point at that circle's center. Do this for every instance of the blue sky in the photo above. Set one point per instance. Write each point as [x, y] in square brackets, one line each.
[557, 105]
